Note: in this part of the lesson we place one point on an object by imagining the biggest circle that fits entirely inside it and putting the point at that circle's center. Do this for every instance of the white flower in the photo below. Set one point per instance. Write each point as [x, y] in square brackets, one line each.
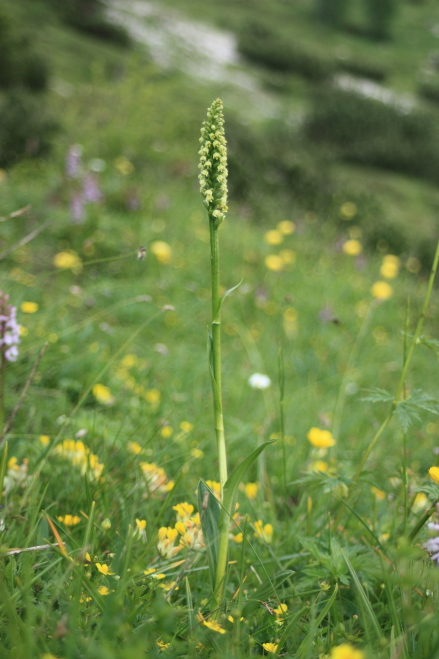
[259, 381]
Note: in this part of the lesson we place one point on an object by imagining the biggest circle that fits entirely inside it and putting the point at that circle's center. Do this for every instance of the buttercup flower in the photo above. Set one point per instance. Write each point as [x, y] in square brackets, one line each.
[352, 247]
[434, 474]
[162, 251]
[320, 438]
[270, 647]
[382, 290]
[346, 651]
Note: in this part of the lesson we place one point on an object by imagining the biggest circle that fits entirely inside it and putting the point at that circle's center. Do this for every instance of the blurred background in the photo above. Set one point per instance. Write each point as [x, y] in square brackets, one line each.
[326, 100]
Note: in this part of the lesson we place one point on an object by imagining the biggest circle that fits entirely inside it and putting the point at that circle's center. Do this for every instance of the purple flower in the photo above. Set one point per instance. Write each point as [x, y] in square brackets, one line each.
[77, 208]
[74, 161]
[90, 188]
[9, 329]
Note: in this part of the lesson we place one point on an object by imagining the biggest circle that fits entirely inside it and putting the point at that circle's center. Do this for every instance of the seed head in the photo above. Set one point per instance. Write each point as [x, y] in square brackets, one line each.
[213, 163]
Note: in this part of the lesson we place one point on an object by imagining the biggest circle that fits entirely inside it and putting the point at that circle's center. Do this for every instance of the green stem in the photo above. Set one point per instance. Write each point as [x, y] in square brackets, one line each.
[401, 382]
[2, 389]
[221, 566]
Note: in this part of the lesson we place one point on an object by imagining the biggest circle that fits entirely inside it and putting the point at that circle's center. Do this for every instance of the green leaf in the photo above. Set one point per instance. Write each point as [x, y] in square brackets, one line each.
[231, 485]
[377, 396]
[230, 290]
[3, 467]
[266, 590]
[210, 510]
[405, 415]
[363, 597]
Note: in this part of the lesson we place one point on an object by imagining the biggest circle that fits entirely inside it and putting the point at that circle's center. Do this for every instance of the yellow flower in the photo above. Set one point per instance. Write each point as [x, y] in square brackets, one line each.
[184, 511]
[162, 251]
[390, 266]
[319, 465]
[197, 453]
[123, 165]
[273, 237]
[29, 307]
[186, 426]
[214, 626]
[67, 259]
[251, 490]
[104, 569]
[166, 546]
[238, 537]
[141, 524]
[263, 531]
[135, 448]
[163, 646]
[166, 432]
[286, 227]
[382, 290]
[103, 590]
[320, 438]
[420, 502]
[270, 647]
[103, 394]
[69, 520]
[346, 651]
[281, 610]
[352, 247]
[434, 474]
[129, 361]
[274, 262]
[215, 487]
[287, 256]
[44, 439]
[153, 396]
[348, 210]
[379, 494]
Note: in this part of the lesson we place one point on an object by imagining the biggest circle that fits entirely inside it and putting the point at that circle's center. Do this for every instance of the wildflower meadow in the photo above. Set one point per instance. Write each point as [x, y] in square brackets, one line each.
[219, 430]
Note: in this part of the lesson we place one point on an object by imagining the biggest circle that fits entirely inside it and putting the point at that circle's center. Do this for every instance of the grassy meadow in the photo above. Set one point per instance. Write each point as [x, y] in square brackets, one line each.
[329, 350]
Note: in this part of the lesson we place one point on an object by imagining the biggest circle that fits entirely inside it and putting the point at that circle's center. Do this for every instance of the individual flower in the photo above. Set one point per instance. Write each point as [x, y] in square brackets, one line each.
[270, 647]
[156, 478]
[162, 251]
[77, 208]
[186, 426]
[153, 396]
[281, 611]
[134, 447]
[103, 590]
[184, 511]
[215, 487]
[286, 227]
[348, 210]
[106, 524]
[140, 530]
[16, 475]
[420, 502]
[166, 544]
[80, 456]
[90, 187]
[346, 651]
[251, 490]
[319, 465]
[196, 453]
[320, 438]
[44, 439]
[382, 290]
[259, 381]
[274, 262]
[29, 307]
[434, 474]
[74, 161]
[162, 645]
[123, 165]
[104, 569]
[191, 533]
[352, 247]
[9, 329]
[378, 494]
[263, 531]
[69, 520]
[211, 624]
[390, 266]
[213, 163]
[273, 237]
[103, 394]
[67, 259]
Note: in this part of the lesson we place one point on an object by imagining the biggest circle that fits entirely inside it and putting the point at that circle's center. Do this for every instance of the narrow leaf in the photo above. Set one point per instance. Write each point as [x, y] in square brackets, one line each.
[60, 543]
[3, 466]
[231, 486]
[363, 597]
[266, 590]
[230, 290]
[209, 508]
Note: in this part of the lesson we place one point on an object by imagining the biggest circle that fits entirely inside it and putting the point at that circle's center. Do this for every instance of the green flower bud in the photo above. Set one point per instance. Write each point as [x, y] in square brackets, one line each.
[106, 524]
[213, 163]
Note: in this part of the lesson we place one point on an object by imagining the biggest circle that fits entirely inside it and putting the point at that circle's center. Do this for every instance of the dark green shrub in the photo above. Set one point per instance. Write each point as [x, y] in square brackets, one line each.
[25, 127]
[331, 12]
[363, 69]
[263, 46]
[380, 14]
[429, 90]
[19, 64]
[371, 132]
[89, 16]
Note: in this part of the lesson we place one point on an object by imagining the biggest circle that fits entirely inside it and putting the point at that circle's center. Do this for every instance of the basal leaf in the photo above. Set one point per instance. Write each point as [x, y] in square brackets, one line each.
[210, 509]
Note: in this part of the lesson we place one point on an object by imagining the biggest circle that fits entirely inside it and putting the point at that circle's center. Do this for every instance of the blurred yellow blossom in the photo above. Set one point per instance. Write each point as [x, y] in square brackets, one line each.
[166, 546]
[420, 502]
[434, 474]
[103, 394]
[123, 165]
[29, 307]
[348, 210]
[186, 426]
[286, 227]
[390, 266]
[129, 361]
[346, 651]
[163, 646]
[162, 251]
[274, 262]
[69, 520]
[251, 490]
[263, 531]
[378, 494]
[214, 626]
[215, 487]
[134, 447]
[166, 432]
[197, 453]
[319, 465]
[103, 590]
[80, 456]
[320, 438]
[382, 290]
[104, 569]
[153, 396]
[156, 478]
[273, 237]
[67, 259]
[287, 256]
[352, 247]
[44, 439]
